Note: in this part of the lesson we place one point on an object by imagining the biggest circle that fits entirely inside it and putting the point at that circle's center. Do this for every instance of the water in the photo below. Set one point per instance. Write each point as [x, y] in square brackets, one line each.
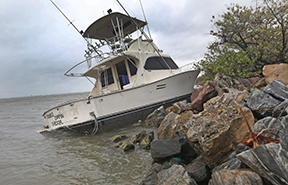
[27, 157]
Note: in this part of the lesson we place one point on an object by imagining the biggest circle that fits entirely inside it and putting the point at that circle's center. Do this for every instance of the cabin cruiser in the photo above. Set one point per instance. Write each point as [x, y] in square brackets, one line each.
[132, 78]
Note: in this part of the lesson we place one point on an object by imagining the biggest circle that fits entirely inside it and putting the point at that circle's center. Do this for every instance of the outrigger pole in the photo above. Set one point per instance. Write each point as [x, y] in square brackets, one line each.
[66, 17]
[145, 18]
[80, 32]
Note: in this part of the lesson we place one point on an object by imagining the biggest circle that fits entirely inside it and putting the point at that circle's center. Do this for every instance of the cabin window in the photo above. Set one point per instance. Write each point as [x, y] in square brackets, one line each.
[108, 75]
[132, 68]
[157, 63]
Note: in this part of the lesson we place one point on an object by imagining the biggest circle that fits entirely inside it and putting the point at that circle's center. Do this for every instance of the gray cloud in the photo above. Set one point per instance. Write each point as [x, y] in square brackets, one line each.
[37, 46]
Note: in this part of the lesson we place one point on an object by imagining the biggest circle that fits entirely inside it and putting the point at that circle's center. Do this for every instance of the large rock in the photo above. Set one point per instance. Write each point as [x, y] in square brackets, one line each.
[269, 161]
[178, 107]
[238, 96]
[164, 149]
[259, 84]
[158, 112]
[232, 164]
[284, 133]
[274, 126]
[198, 170]
[268, 124]
[151, 176]
[175, 175]
[240, 148]
[206, 94]
[281, 109]
[223, 83]
[262, 103]
[170, 126]
[156, 117]
[195, 93]
[237, 177]
[253, 80]
[215, 132]
[276, 72]
[277, 89]
[154, 121]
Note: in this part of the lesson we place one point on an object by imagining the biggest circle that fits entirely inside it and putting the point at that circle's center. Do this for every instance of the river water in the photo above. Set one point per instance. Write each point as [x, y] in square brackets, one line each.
[27, 157]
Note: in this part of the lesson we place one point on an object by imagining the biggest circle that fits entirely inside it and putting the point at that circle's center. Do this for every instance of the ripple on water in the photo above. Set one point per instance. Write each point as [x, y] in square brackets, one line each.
[27, 157]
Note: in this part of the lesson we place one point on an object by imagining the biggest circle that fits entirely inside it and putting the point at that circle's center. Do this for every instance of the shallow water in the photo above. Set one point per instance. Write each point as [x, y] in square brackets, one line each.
[27, 157]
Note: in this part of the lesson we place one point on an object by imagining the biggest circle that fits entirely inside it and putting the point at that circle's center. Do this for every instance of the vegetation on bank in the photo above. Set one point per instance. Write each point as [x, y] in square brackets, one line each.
[247, 38]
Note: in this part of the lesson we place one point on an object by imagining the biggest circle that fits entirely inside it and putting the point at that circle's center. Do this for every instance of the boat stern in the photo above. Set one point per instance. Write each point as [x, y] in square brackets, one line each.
[68, 116]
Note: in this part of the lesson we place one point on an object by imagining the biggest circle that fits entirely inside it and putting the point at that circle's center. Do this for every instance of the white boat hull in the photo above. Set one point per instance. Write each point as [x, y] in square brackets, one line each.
[120, 108]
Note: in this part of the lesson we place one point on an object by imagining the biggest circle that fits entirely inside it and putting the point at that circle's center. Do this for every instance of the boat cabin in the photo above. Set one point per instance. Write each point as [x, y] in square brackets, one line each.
[124, 72]
[126, 62]
[113, 75]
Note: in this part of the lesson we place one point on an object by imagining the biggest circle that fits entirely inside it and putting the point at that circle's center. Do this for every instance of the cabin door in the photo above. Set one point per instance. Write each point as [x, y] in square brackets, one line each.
[122, 74]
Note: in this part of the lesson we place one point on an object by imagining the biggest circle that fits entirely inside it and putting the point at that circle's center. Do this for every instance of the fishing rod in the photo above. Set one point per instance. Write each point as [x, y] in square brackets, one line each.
[80, 32]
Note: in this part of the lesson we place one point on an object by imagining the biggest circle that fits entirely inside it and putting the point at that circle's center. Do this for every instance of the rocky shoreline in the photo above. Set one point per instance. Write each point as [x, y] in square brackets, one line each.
[208, 141]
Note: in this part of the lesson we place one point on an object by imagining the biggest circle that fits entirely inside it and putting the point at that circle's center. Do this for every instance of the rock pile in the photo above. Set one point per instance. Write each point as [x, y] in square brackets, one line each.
[143, 139]
[201, 143]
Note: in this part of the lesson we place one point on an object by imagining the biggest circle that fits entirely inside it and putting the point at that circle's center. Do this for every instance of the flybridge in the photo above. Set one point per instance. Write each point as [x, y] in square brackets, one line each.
[112, 25]
[112, 33]
[112, 30]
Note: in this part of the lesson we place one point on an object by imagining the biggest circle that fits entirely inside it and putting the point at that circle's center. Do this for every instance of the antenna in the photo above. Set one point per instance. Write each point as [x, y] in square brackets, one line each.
[80, 32]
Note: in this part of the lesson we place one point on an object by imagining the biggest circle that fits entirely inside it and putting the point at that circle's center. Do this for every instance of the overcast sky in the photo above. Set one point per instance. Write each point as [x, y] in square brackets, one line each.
[37, 46]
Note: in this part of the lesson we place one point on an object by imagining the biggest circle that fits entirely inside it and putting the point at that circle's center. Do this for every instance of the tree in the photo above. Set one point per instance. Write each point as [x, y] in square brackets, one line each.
[247, 38]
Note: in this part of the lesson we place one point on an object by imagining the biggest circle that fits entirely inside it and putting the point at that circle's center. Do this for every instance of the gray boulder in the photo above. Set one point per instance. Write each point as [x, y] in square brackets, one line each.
[268, 124]
[178, 147]
[262, 103]
[275, 126]
[281, 109]
[231, 164]
[269, 161]
[175, 175]
[240, 148]
[284, 133]
[156, 117]
[277, 89]
[156, 113]
[151, 176]
[198, 169]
